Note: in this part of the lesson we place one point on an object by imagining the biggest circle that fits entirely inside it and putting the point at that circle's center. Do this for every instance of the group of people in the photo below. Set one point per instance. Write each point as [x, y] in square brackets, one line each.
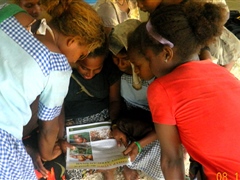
[155, 80]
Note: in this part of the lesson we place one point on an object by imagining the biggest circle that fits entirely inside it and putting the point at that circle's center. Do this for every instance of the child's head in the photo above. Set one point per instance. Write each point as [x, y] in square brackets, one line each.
[78, 21]
[135, 123]
[118, 44]
[93, 63]
[175, 33]
[136, 55]
[122, 61]
[31, 6]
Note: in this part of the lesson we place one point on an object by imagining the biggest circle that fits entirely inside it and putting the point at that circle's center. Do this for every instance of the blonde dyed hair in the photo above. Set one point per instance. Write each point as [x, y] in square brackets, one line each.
[76, 18]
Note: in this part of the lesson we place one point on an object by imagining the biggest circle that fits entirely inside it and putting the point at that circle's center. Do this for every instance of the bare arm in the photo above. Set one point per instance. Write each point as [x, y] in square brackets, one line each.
[150, 137]
[47, 137]
[171, 152]
[62, 142]
[206, 54]
[61, 121]
[229, 65]
[33, 123]
[115, 100]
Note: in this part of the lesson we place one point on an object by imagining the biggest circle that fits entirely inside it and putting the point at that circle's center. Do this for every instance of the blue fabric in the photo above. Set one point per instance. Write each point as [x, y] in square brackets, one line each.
[148, 161]
[36, 50]
[28, 69]
[15, 163]
[133, 97]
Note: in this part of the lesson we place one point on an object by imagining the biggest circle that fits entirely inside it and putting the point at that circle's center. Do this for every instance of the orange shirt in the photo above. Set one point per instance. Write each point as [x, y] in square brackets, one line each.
[203, 100]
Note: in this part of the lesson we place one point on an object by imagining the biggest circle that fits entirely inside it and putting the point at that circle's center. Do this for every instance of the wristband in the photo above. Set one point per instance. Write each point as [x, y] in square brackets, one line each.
[139, 146]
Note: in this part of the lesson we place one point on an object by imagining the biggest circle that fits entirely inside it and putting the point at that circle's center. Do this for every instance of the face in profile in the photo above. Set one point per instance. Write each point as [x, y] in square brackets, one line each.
[157, 63]
[90, 66]
[141, 65]
[123, 63]
[80, 51]
[31, 6]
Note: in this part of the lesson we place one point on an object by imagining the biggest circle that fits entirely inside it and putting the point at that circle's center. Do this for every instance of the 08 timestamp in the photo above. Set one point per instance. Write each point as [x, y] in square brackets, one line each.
[224, 176]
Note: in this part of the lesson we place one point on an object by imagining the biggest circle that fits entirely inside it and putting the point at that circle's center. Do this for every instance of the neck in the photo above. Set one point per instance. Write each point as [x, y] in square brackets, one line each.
[194, 57]
[177, 61]
[55, 35]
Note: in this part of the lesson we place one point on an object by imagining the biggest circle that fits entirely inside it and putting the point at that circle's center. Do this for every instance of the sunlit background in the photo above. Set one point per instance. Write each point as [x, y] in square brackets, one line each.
[233, 4]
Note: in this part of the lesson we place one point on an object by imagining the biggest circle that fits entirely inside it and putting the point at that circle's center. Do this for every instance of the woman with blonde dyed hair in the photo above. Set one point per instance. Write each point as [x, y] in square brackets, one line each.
[76, 18]
[35, 59]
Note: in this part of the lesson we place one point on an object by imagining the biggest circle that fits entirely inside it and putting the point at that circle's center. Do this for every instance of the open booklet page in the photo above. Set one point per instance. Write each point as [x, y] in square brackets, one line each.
[94, 148]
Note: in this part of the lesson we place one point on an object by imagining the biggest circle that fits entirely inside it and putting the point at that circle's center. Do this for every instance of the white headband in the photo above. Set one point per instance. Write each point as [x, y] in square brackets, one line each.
[157, 36]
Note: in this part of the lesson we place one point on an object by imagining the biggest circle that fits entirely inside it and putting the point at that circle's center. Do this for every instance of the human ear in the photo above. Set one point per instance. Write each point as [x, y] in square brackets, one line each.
[71, 41]
[168, 53]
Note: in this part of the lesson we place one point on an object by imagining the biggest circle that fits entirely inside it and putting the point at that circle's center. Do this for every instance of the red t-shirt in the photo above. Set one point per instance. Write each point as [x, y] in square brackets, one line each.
[203, 100]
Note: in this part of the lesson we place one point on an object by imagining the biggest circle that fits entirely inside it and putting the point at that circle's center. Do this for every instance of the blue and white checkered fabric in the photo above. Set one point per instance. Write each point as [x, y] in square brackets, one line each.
[129, 79]
[148, 161]
[15, 163]
[31, 70]
[40, 54]
[48, 113]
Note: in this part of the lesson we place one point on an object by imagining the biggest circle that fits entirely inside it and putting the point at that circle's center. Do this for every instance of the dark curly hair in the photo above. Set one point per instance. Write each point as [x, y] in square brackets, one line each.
[188, 26]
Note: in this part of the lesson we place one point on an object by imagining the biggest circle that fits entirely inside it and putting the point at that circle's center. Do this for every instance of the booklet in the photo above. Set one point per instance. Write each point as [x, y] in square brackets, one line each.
[94, 147]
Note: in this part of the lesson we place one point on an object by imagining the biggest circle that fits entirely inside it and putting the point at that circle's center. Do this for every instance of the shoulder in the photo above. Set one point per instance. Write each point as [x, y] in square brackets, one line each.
[24, 19]
[48, 42]
[45, 34]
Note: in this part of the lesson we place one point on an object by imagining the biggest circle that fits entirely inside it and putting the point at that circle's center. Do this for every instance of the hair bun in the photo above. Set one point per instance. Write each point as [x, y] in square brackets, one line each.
[55, 8]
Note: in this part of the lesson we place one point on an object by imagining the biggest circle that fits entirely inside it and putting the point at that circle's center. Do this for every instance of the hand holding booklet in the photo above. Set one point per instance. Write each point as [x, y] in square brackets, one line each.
[94, 147]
